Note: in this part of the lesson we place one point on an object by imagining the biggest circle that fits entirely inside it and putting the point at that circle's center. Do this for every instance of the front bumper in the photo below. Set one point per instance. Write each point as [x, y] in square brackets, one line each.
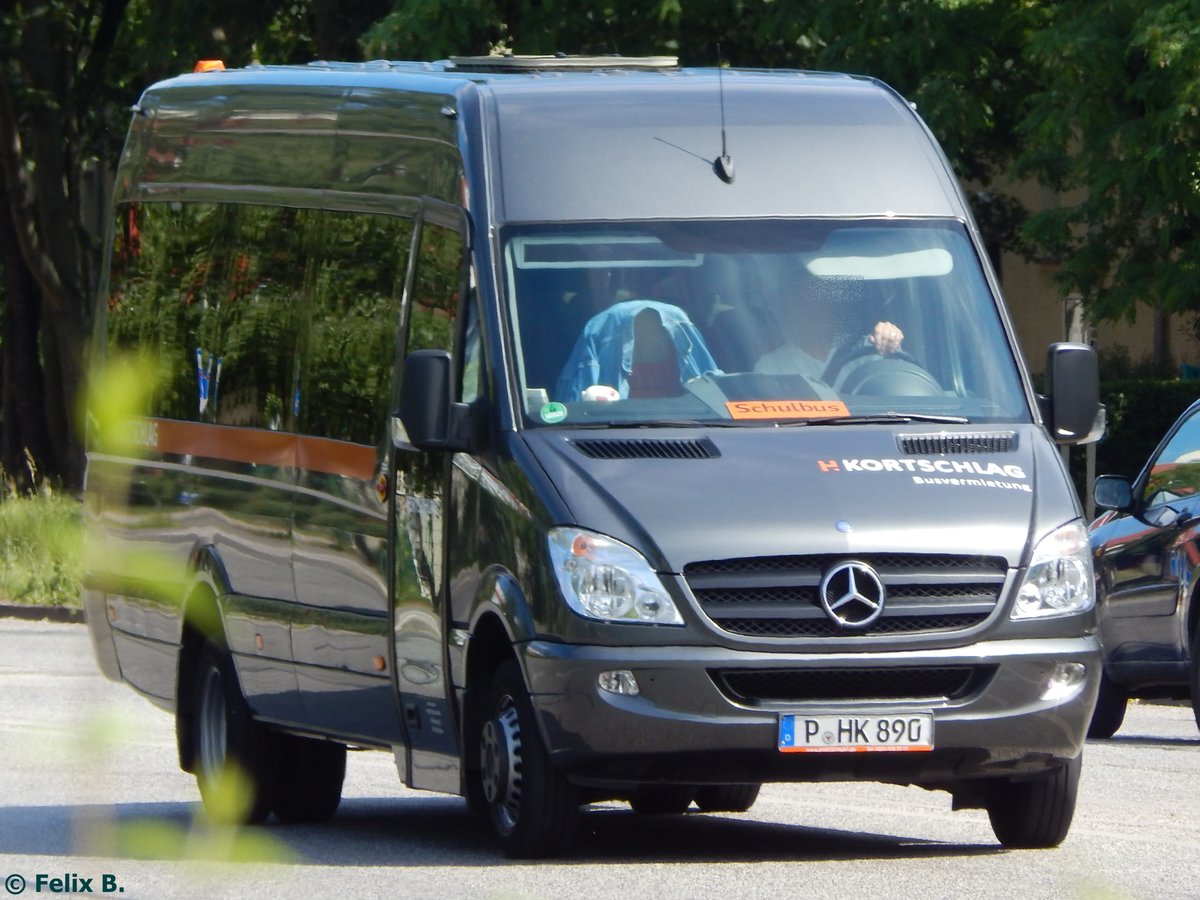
[683, 727]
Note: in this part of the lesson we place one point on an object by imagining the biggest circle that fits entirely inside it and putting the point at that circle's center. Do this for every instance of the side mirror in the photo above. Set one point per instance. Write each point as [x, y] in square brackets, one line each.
[1113, 492]
[428, 419]
[1072, 403]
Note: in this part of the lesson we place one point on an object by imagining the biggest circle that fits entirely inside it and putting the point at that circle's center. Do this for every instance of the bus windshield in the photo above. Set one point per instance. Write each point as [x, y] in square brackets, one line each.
[755, 322]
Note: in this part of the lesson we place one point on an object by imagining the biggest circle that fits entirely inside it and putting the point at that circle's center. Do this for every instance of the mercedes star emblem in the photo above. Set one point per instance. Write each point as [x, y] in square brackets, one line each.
[852, 594]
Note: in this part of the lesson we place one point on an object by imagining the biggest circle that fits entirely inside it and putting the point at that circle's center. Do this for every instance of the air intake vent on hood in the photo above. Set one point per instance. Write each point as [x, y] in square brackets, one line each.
[642, 448]
[943, 444]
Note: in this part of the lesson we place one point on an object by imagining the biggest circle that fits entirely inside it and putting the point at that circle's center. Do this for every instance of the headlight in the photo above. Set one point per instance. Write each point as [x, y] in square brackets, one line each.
[1059, 579]
[607, 580]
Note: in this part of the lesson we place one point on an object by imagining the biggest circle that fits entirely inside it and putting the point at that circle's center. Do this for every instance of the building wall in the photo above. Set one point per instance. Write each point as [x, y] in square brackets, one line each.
[1039, 308]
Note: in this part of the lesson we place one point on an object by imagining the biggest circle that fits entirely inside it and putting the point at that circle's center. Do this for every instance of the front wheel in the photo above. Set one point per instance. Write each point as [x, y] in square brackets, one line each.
[1110, 710]
[533, 809]
[1035, 813]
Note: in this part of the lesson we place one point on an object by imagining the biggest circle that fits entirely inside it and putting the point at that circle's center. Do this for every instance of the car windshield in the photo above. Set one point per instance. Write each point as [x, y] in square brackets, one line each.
[756, 322]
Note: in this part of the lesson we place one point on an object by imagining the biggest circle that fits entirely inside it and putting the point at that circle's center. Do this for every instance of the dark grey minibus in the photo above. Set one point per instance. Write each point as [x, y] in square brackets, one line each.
[582, 430]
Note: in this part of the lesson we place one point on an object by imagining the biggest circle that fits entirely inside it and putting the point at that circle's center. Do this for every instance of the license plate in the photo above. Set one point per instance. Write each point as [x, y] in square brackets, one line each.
[856, 734]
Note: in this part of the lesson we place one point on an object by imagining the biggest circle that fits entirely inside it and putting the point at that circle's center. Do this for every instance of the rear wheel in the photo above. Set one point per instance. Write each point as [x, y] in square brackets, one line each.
[533, 809]
[1037, 812]
[737, 798]
[309, 776]
[1110, 710]
[232, 751]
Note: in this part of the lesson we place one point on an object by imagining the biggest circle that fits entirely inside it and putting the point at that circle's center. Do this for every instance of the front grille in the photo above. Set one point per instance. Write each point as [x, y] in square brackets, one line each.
[929, 684]
[792, 628]
[778, 597]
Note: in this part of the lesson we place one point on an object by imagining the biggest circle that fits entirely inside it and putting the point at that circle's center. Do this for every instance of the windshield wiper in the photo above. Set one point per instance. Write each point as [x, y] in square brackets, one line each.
[883, 418]
[868, 419]
[653, 423]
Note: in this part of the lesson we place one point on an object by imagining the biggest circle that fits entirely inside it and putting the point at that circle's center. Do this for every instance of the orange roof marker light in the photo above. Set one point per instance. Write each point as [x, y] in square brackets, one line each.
[209, 65]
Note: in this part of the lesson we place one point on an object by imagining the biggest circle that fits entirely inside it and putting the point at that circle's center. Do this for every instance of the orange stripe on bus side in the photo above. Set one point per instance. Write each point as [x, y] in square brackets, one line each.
[258, 446]
[335, 457]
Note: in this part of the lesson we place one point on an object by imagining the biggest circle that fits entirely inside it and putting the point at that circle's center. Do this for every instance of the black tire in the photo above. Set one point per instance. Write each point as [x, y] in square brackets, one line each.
[1194, 682]
[533, 809]
[662, 800]
[1111, 703]
[1035, 813]
[309, 776]
[736, 798]
[477, 804]
[228, 740]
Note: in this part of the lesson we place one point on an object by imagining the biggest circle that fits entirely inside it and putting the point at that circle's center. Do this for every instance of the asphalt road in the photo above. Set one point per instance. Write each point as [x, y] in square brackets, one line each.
[90, 789]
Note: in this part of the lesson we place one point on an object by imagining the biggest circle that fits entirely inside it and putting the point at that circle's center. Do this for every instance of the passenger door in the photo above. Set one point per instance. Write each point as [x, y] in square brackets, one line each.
[341, 627]
[436, 282]
[1147, 560]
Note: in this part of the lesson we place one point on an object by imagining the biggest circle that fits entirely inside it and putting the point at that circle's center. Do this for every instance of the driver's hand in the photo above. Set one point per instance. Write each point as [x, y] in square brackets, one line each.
[886, 338]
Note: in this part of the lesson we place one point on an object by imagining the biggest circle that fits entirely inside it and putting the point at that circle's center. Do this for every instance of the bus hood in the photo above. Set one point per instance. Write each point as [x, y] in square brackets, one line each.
[687, 495]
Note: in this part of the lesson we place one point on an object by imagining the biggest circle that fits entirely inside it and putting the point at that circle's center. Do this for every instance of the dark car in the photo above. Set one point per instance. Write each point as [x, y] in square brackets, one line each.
[1147, 556]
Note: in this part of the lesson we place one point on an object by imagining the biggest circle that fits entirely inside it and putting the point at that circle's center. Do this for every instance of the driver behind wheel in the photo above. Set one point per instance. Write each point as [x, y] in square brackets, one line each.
[816, 340]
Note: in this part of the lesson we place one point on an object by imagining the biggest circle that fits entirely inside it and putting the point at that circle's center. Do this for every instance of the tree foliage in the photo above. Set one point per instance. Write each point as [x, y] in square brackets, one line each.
[1098, 99]
[1116, 120]
[55, 58]
[68, 74]
[958, 60]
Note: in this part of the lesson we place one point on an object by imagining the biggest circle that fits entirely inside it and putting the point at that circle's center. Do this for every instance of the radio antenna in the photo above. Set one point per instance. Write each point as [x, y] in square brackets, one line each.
[723, 164]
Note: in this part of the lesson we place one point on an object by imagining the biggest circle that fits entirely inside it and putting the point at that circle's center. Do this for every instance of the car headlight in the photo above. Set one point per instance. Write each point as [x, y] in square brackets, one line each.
[1059, 579]
[601, 578]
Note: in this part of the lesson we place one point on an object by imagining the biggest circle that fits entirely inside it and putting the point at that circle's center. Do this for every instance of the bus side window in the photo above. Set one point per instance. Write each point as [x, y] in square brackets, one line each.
[210, 289]
[354, 285]
[473, 369]
[435, 292]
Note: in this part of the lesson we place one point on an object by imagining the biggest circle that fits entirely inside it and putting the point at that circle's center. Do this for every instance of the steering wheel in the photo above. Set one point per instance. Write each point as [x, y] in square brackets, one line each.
[896, 373]
[841, 359]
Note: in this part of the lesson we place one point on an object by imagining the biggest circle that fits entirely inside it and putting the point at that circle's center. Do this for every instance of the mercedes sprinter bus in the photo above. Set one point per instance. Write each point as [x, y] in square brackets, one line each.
[581, 430]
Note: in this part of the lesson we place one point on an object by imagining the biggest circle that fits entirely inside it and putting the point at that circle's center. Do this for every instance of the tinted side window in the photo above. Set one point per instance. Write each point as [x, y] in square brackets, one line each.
[474, 383]
[435, 291]
[270, 317]
[209, 291]
[249, 333]
[1175, 472]
[155, 297]
[355, 282]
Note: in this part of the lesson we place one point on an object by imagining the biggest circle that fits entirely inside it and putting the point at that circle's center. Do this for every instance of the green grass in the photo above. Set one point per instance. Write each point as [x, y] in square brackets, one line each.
[41, 555]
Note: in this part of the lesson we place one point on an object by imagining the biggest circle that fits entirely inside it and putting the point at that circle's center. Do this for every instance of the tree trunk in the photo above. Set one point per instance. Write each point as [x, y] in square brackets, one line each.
[1163, 361]
[55, 235]
[23, 433]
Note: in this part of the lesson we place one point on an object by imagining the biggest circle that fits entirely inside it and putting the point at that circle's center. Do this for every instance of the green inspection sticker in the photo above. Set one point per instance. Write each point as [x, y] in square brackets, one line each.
[553, 413]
